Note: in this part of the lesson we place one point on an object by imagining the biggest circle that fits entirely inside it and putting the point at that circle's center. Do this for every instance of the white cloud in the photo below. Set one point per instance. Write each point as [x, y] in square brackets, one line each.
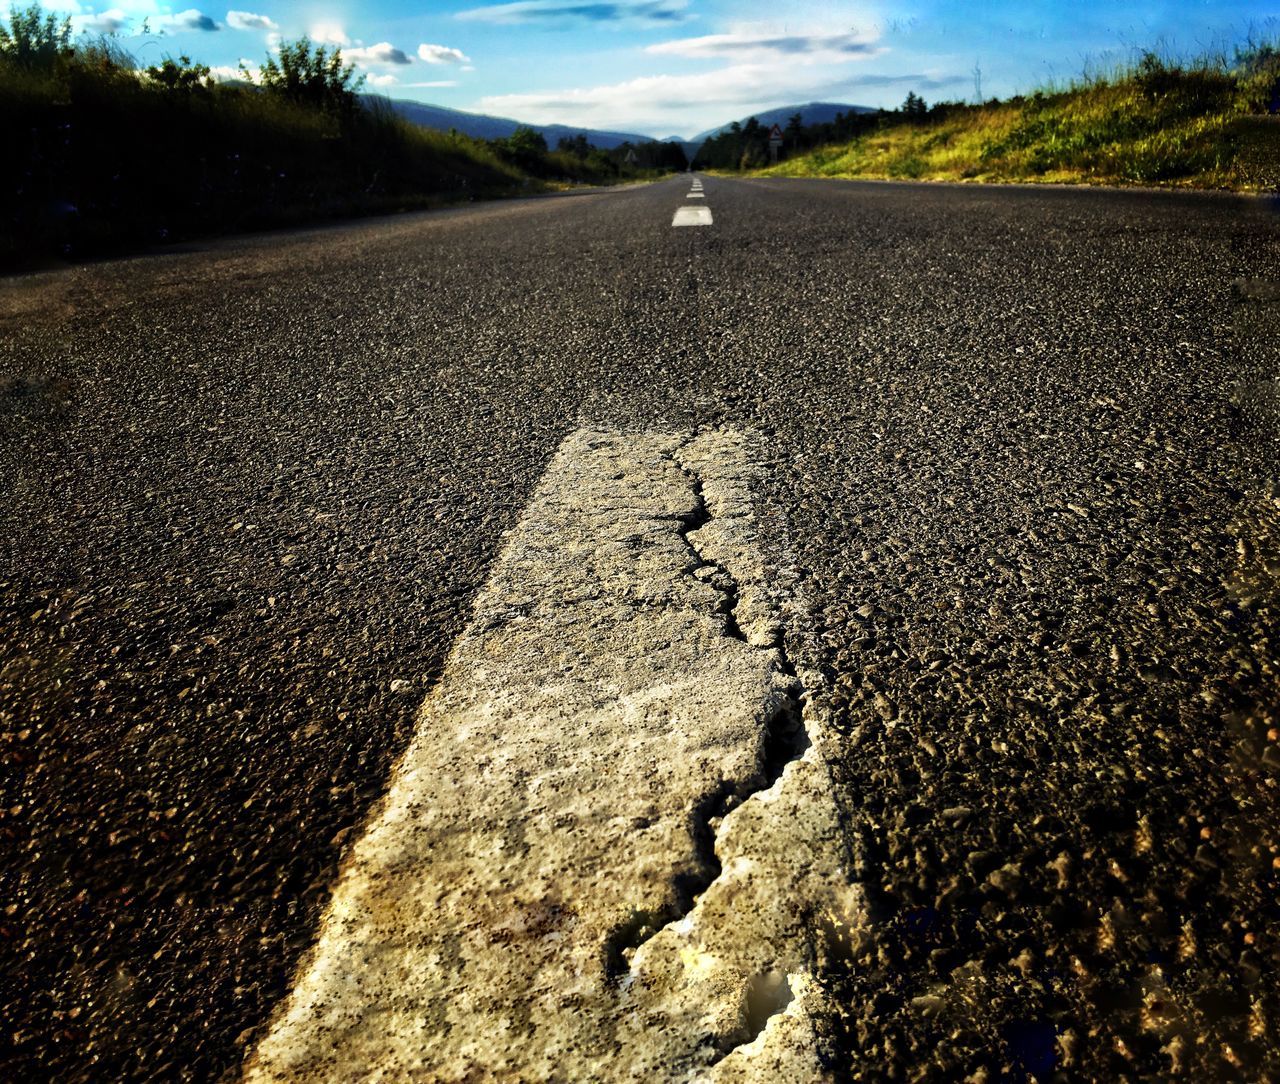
[111, 21]
[382, 53]
[442, 54]
[617, 12]
[753, 66]
[247, 20]
[376, 80]
[224, 73]
[328, 34]
[191, 19]
[673, 103]
[433, 83]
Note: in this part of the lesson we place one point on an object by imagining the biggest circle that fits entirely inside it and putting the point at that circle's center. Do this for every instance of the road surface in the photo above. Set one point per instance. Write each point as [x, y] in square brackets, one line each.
[1019, 446]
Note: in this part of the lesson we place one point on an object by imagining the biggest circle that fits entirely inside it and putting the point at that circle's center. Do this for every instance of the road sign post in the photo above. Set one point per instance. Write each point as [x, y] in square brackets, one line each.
[775, 142]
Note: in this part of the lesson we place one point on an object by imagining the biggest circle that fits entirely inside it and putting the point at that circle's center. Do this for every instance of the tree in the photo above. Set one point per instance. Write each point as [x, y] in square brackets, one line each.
[525, 147]
[34, 39]
[311, 75]
[914, 108]
[525, 141]
[575, 145]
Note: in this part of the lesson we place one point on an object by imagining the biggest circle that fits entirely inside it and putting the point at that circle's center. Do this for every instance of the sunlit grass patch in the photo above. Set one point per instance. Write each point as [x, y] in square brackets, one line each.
[1154, 124]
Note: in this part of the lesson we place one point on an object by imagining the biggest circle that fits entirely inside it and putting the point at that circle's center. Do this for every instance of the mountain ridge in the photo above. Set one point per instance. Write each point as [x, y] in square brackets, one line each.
[487, 126]
[810, 112]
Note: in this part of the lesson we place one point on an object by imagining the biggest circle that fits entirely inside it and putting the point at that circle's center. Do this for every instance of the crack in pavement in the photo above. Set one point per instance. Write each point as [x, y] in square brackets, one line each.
[785, 739]
[611, 849]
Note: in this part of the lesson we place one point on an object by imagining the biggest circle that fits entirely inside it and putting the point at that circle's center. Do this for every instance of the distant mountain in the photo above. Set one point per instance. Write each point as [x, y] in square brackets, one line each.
[811, 113]
[483, 126]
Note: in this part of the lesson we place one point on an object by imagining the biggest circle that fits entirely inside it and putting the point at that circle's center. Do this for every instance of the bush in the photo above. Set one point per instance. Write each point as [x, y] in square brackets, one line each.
[1257, 71]
[1198, 89]
[180, 76]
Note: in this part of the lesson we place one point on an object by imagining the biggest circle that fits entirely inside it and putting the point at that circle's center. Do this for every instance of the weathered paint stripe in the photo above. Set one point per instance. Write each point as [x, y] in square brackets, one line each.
[692, 216]
[611, 845]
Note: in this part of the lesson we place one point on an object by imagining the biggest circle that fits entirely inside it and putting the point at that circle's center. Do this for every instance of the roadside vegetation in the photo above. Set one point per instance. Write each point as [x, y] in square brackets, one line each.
[102, 154]
[1154, 122]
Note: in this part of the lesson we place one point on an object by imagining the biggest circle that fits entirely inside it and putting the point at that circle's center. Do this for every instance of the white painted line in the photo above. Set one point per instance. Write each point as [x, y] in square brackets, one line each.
[692, 216]
[695, 195]
[519, 907]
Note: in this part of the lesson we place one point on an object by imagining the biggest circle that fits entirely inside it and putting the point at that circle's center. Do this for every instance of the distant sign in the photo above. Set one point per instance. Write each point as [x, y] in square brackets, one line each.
[775, 142]
[630, 157]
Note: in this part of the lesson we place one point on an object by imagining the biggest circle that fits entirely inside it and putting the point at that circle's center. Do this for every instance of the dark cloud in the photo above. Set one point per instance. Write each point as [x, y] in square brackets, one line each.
[792, 44]
[105, 22]
[382, 53]
[649, 12]
[920, 82]
[742, 46]
[190, 20]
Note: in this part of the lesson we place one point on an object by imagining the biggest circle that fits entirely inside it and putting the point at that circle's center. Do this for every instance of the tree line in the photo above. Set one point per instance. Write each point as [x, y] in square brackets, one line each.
[575, 157]
[746, 145]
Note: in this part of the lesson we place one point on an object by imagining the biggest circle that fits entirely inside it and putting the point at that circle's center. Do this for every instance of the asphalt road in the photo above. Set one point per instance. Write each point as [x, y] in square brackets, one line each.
[1026, 444]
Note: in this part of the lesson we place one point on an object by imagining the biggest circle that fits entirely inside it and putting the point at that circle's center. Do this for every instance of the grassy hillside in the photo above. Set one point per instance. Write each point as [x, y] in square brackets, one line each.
[1156, 123]
[101, 156]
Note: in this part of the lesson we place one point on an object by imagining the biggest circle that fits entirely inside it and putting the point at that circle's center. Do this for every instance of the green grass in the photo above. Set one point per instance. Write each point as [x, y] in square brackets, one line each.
[1154, 124]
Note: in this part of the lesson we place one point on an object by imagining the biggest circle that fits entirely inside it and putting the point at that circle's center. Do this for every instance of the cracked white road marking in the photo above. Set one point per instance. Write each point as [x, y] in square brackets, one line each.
[610, 851]
[692, 216]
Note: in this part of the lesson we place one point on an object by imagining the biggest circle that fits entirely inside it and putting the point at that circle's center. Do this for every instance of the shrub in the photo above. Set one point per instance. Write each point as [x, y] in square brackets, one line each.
[180, 76]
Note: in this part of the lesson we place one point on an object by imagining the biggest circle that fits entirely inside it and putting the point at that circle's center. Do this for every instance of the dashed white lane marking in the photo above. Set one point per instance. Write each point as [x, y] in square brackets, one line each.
[616, 731]
[695, 195]
[692, 216]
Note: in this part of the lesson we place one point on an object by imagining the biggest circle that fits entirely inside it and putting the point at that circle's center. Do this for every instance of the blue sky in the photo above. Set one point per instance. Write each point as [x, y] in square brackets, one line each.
[676, 67]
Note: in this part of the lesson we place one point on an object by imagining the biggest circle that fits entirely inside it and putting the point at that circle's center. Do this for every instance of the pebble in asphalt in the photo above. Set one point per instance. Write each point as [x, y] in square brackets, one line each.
[1025, 441]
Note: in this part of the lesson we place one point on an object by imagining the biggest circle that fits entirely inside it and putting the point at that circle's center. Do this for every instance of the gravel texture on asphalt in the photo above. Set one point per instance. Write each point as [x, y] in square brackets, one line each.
[1025, 441]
